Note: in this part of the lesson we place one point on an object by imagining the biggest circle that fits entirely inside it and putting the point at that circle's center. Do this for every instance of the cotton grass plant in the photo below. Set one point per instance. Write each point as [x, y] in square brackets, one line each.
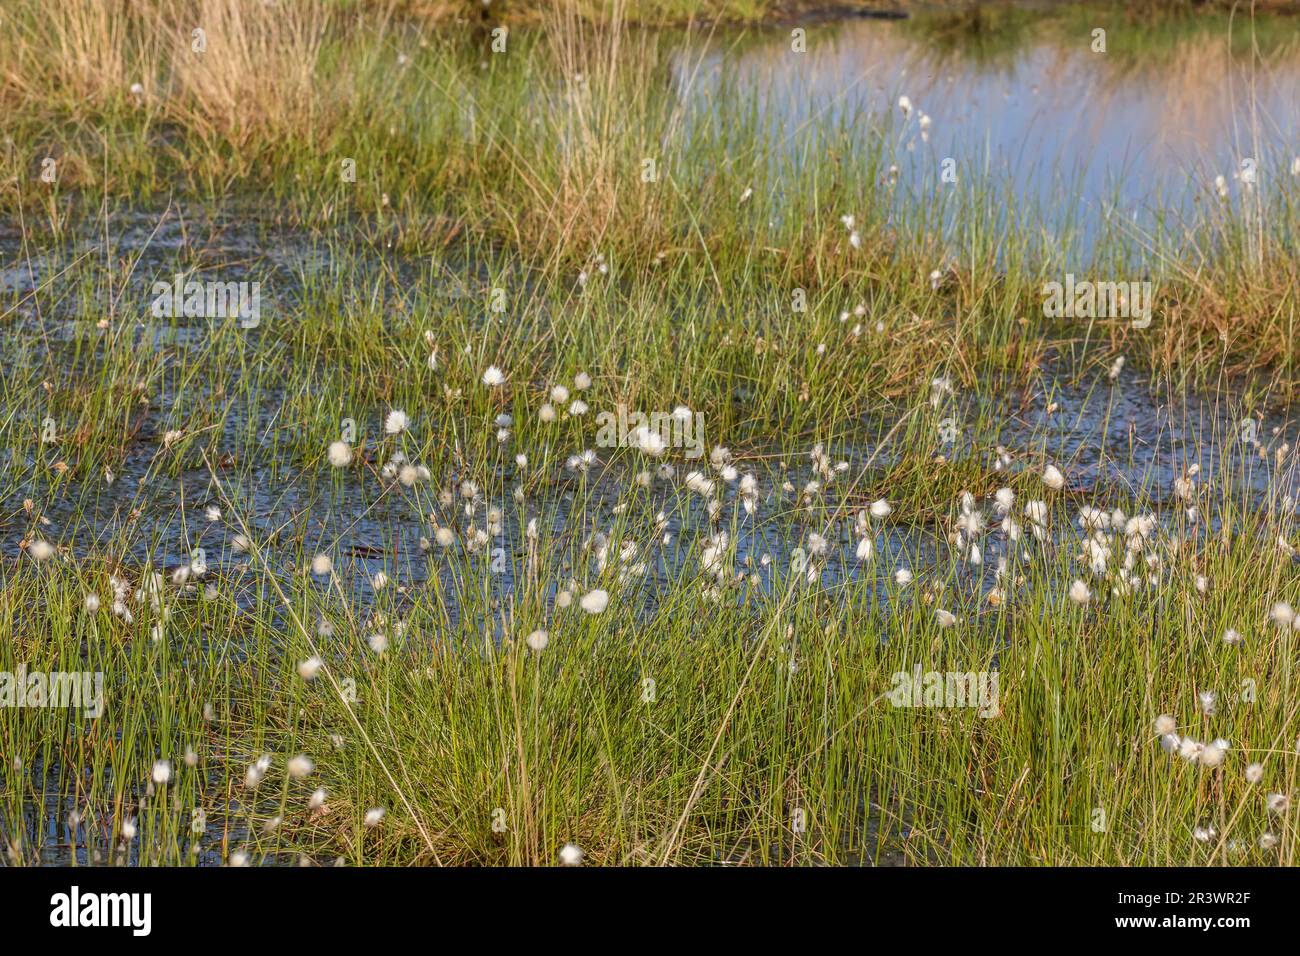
[364, 586]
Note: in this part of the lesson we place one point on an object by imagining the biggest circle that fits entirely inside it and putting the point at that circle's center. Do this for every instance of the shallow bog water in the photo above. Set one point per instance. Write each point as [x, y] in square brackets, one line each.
[1120, 438]
[1084, 144]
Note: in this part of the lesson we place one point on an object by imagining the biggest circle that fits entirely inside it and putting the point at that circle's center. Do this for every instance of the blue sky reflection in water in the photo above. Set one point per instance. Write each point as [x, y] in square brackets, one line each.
[1087, 145]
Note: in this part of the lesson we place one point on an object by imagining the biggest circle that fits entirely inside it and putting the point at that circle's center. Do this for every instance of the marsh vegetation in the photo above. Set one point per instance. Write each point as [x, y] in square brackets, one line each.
[364, 578]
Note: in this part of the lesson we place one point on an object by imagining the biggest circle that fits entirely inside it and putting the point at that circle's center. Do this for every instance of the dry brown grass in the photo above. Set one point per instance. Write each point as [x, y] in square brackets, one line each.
[78, 51]
[260, 75]
[593, 185]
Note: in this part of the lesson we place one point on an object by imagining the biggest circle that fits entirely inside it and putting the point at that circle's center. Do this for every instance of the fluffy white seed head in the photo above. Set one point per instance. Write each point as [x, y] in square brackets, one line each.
[1079, 593]
[340, 454]
[593, 602]
[40, 550]
[396, 422]
[571, 855]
